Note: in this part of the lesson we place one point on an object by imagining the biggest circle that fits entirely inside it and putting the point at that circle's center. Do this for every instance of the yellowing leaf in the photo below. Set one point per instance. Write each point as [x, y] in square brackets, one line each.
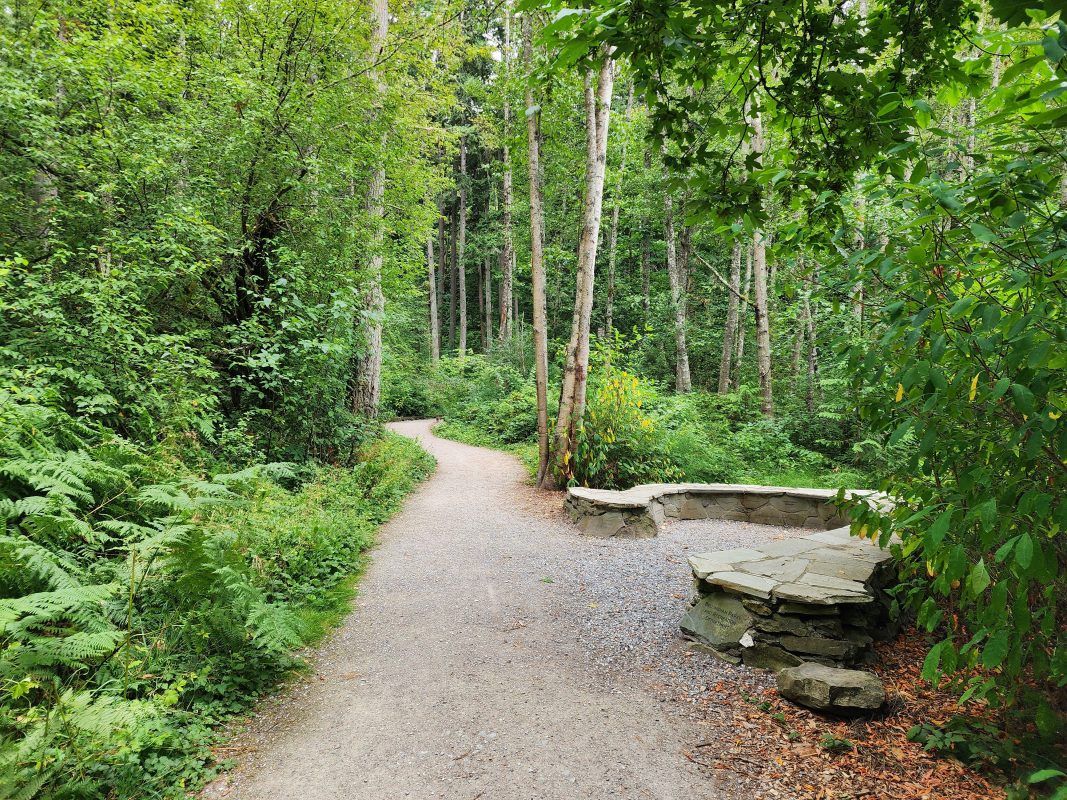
[974, 387]
[900, 392]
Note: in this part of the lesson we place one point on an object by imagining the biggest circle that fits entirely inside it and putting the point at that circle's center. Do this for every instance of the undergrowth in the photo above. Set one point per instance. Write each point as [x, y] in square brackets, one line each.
[142, 605]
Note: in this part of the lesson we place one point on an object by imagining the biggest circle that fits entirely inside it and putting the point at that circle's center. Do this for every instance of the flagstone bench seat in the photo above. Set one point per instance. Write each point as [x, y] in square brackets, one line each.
[638, 512]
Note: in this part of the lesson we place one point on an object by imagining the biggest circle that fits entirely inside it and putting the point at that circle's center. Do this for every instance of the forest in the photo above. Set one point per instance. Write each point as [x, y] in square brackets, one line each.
[786, 242]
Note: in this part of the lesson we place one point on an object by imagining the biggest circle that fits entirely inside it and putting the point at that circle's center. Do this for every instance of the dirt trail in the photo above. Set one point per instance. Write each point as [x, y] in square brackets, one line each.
[453, 679]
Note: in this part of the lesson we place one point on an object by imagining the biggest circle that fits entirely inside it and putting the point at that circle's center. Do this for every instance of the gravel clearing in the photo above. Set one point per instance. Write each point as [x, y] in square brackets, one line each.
[494, 653]
[628, 596]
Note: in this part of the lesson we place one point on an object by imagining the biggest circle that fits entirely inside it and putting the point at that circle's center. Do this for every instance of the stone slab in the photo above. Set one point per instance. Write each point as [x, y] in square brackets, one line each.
[783, 570]
[602, 526]
[718, 620]
[817, 595]
[754, 585]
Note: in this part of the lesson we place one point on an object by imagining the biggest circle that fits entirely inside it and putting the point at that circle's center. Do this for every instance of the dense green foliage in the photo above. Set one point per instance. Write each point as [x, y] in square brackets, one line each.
[182, 240]
[187, 250]
[636, 430]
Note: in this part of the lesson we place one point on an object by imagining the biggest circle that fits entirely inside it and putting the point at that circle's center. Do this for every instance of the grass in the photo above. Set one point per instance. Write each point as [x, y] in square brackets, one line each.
[468, 434]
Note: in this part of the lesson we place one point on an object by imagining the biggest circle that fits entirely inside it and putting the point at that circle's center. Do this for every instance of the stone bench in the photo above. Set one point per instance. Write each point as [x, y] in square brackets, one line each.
[815, 598]
[638, 512]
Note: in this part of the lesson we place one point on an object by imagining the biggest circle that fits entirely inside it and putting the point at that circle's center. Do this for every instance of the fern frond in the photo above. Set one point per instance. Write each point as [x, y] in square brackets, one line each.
[52, 567]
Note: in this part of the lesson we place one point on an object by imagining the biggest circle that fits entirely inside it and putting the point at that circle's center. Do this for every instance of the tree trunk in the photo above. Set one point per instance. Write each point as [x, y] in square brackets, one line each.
[763, 324]
[442, 259]
[461, 246]
[488, 304]
[759, 276]
[682, 381]
[743, 320]
[452, 307]
[646, 256]
[537, 259]
[613, 236]
[857, 298]
[367, 389]
[507, 258]
[482, 330]
[813, 350]
[572, 393]
[801, 332]
[731, 319]
[435, 324]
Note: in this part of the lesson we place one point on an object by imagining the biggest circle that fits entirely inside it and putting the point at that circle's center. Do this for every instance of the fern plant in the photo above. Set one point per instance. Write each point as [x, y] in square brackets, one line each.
[106, 568]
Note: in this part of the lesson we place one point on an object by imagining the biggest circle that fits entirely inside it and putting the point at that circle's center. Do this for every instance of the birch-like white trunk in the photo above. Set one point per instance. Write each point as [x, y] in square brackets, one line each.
[730, 329]
[573, 391]
[675, 270]
[759, 301]
[742, 321]
[367, 388]
[537, 259]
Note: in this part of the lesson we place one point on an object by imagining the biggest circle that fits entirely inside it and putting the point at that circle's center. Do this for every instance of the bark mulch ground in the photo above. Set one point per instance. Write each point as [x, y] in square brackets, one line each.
[790, 752]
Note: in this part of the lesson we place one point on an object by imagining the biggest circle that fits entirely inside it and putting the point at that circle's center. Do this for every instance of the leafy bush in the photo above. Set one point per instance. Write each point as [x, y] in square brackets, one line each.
[619, 445]
[970, 362]
[408, 394]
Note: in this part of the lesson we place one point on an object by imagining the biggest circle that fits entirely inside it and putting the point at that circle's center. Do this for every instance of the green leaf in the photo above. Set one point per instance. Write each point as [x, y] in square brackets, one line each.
[932, 662]
[936, 532]
[1043, 775]
[1024, 398]
[978, 580]
[1024, 551]
[996, 649]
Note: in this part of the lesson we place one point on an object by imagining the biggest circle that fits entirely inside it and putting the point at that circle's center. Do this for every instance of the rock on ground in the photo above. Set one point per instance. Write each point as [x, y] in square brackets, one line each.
[842, 691]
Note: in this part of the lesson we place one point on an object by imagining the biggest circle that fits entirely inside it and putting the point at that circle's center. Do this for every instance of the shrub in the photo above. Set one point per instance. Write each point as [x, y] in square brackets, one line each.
[619, 444]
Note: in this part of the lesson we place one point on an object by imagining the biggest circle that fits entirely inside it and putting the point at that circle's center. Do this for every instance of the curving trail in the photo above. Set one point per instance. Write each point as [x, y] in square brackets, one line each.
[452, 679]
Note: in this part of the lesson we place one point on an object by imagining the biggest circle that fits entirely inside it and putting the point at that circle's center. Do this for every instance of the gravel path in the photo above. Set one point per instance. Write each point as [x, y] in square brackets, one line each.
[495, 654]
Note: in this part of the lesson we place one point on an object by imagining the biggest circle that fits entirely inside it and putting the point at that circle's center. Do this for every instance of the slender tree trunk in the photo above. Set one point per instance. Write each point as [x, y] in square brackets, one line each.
[730, 330]
[857, 298]
[813, 350]
[461, 246]
[759, 277]
[763, 324]
[682, 380]
[435, 324]
[367, 381]
[507, 259]
[481, 306]
[743, 320]
[537, 259]
[798, 346]
[613, 236]
[442, 259]
[801, 331]
[646, 272]
[572, 394]
[452, 307]
[488, 304]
